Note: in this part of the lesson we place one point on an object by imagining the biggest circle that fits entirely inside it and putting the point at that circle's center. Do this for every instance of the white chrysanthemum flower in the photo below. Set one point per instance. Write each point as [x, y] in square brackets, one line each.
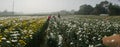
[78, 32]
[99, 38]
[102, 22]
[85, 24]
[80, 39]
[52, 35]
[15, 34]
[14, 21]
[14, 40]
[25, 31]
[8, 41]
[1, 24]
[90, 46]
[71, 43]
[15, 37]
[31, 32]
[80, 35]
[60, 39]
[69, 24]
[98, 45]
[3, 38]
[74, 25]
[30, 35]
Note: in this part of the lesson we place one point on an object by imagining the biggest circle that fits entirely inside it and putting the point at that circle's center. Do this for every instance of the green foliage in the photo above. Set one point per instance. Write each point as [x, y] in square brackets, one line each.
[114, 9]
[85, 10]
[99, 9]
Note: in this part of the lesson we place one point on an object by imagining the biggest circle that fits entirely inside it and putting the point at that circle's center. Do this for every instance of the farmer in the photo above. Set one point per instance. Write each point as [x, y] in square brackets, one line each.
[49, 17]
[112, 41]
[59, 15]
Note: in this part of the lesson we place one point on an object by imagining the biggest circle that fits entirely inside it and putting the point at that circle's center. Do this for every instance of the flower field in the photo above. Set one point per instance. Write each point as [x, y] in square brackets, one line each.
[81, 31]
[65, 31]
[18, 31]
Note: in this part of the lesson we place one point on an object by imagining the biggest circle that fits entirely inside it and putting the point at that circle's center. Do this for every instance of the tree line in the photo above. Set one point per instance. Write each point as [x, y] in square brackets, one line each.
[103, 7]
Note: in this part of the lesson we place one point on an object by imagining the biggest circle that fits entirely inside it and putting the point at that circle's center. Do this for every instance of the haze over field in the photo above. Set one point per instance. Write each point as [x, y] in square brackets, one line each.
[37, 6]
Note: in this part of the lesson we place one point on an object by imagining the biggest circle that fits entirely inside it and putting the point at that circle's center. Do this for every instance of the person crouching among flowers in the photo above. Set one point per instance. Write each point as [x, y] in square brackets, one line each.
[112, 41]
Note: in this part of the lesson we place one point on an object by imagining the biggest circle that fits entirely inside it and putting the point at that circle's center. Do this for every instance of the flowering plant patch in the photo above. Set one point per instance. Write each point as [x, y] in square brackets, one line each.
[18, 31]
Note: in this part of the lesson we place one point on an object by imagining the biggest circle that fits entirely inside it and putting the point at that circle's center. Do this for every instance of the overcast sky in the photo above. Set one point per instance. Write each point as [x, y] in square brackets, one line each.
[36, 6]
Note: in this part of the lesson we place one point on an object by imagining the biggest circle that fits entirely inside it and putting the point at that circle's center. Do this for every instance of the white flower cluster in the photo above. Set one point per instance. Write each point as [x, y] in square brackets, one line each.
[83, 31]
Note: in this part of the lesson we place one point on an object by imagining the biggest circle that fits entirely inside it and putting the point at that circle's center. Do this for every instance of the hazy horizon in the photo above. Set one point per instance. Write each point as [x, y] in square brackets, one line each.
[44, 6]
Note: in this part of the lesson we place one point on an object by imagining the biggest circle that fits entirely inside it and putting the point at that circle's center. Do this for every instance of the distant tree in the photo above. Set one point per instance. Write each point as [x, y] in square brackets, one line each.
[114, 9]
[96, 10]
[101, 8]
[85, 10]
[106, 7]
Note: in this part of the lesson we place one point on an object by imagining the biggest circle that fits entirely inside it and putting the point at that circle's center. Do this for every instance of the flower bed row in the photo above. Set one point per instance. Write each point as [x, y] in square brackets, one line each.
[18, 31]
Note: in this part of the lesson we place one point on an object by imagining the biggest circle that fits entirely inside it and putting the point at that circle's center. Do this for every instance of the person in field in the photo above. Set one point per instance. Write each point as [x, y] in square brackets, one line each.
[112, 41]
[49, 17]
[59, 15]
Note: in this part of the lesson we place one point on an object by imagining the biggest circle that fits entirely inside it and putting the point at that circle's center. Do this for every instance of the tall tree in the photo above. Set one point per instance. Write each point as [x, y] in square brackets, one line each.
[106, 7]
[101, 8]
[85, 9]
[114, 9]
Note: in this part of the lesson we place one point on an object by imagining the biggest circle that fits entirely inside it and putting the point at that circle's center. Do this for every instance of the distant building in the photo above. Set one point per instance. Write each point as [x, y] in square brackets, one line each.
[104, 14]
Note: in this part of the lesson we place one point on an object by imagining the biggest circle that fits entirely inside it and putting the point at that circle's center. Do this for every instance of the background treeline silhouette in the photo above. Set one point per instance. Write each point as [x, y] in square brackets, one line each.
[113, 9]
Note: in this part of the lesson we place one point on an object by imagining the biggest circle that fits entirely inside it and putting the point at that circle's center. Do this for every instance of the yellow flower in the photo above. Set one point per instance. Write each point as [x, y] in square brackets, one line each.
[0, 38]
[22, 42]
